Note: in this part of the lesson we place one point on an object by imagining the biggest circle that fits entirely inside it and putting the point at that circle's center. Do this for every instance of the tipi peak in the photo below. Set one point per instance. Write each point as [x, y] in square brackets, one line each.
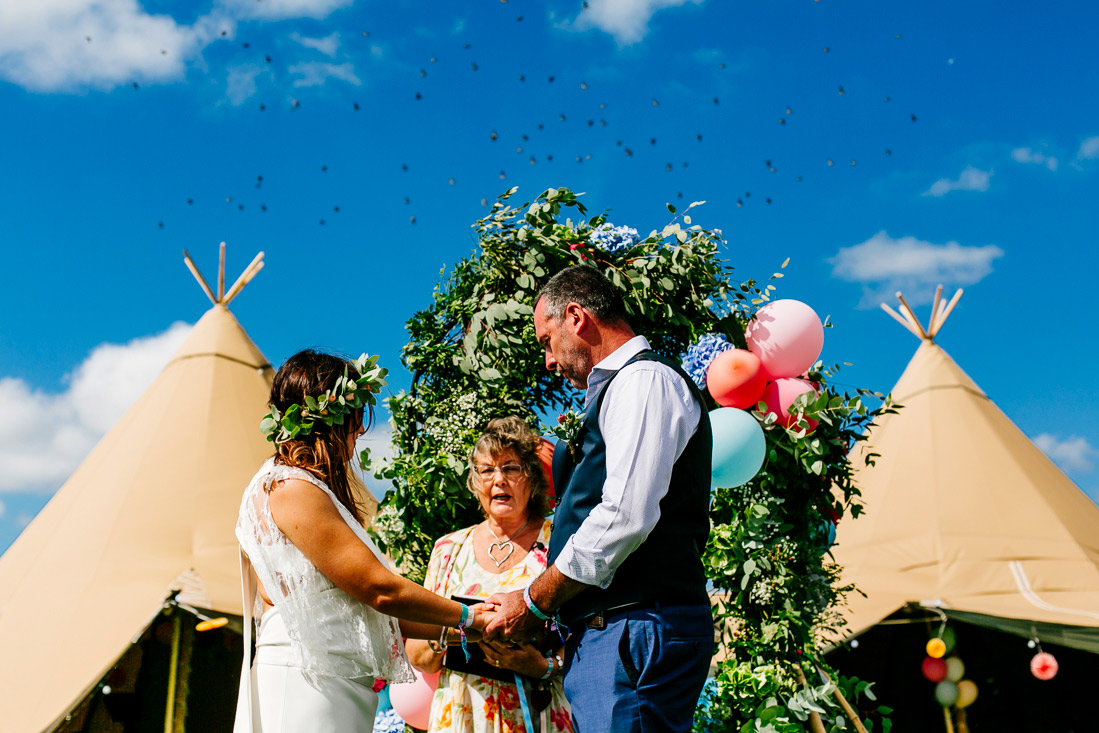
[224, 297]
[940, 311]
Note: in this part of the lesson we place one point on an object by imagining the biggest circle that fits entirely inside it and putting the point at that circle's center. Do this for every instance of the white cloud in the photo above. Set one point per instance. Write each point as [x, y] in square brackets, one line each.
[44, 436]
[75, 45]
[315, 73]
[1028, 155]
[970, 179]
[282, 9]
[1089, 149]
[240, 82]
[327, 45]
[884, 265]
[51, 45]
[1071, 454]
[626, 20]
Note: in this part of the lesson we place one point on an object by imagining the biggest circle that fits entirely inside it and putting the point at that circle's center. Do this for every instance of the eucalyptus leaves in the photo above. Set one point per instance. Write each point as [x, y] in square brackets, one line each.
[330, 408]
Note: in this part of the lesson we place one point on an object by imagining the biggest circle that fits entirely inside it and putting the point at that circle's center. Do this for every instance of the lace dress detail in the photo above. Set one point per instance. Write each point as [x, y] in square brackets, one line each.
[332, 634]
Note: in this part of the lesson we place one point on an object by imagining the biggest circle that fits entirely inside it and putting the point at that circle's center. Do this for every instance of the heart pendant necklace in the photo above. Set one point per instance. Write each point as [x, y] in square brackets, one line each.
[504, 547]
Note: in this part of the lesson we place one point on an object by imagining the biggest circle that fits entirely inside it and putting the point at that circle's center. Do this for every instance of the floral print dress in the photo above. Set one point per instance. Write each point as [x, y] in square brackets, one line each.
[465, 703]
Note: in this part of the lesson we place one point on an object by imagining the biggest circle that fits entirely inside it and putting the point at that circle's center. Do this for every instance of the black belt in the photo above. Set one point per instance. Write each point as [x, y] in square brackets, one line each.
[598, 620]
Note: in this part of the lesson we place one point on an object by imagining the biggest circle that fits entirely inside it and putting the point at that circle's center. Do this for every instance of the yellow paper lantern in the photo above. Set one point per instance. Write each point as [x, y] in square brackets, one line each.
[955, 670]
[936, 648]
[967, 693]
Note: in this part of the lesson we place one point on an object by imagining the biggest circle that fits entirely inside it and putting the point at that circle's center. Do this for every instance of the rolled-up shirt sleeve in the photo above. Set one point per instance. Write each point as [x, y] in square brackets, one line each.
[647, 416]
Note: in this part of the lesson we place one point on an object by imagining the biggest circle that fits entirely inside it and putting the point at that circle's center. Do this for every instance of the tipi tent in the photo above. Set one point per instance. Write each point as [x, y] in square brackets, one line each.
[150, 512]
[966, 515]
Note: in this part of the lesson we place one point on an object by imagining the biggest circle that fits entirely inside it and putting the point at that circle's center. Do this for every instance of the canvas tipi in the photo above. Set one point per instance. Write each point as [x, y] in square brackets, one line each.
[148, 517]
[965, 515]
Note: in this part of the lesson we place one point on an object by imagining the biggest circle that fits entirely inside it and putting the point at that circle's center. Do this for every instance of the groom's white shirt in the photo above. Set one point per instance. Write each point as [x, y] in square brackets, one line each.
[646, 418]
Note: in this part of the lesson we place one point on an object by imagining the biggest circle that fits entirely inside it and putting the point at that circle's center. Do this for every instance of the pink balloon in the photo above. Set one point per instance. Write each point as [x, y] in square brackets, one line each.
[412, 700]
[787, 336]
[736, 379]
[780, 395]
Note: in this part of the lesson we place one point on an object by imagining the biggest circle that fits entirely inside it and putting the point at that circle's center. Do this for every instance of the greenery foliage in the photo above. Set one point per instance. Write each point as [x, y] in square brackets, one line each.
[330, 408]
[473, 357]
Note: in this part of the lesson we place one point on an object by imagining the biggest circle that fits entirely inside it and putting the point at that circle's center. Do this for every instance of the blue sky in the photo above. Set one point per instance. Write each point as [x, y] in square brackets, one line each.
[134, 130]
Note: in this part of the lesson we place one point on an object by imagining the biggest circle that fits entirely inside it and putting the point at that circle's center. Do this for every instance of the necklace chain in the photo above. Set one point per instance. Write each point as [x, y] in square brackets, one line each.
[502, 545]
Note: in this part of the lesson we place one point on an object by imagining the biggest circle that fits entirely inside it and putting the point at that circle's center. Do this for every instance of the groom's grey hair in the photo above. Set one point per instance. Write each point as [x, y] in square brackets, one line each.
[587, 286]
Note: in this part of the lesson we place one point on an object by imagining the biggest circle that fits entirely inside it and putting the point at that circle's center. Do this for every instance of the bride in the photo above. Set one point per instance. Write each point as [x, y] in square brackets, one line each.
[331, 612]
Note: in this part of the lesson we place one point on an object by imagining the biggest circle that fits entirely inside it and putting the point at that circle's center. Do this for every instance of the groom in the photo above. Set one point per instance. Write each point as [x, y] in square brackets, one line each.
[631, 521]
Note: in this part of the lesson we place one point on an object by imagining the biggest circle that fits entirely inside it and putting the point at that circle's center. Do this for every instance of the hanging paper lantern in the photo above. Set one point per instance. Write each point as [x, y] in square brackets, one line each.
[946, 693]
[787, 336]
[1043, 666]
[955, 670]
[934, 669]
[735, 378]
[948, 638]
[936, 648]
[967, 693]
[739, 447]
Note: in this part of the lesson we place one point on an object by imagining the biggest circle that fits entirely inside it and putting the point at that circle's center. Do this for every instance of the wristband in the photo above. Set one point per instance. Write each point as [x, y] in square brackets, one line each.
[550, 668]
[467, 618]
[539, 613]
[465, 622]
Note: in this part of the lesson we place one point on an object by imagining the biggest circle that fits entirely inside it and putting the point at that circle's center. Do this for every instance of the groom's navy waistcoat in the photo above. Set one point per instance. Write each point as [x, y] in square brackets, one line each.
[667, 566]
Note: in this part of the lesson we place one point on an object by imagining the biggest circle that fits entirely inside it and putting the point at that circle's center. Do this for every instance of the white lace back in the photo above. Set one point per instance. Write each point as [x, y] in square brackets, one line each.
[333, 633]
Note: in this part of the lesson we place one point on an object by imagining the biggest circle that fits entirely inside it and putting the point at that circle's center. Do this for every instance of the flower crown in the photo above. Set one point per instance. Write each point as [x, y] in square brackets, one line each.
[331, 407]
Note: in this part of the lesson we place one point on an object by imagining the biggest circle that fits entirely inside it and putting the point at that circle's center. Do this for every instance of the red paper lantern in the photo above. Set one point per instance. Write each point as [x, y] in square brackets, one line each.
[934, 669]
[1043, 666]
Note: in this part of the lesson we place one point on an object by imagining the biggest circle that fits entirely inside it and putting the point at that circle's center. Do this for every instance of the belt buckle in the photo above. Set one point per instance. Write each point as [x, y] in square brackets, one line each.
[598, 621]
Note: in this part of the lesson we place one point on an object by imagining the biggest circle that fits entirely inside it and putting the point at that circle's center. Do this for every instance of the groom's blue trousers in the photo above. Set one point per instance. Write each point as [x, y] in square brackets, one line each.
[643, 672]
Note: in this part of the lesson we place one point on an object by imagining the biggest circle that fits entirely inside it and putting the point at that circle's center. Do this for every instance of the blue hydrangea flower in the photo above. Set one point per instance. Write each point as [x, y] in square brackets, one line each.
[610, 238]
[699, 355]
[387, 721]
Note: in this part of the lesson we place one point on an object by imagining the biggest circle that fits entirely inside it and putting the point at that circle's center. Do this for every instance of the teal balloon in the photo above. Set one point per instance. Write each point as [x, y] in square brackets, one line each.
[383, 699]
[739, 447]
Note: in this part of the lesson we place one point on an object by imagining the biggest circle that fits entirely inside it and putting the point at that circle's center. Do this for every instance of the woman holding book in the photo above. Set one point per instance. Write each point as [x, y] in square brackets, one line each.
[503, 684]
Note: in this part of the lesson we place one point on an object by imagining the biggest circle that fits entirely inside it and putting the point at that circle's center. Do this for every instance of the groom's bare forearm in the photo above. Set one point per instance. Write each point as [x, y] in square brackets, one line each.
[553, 589]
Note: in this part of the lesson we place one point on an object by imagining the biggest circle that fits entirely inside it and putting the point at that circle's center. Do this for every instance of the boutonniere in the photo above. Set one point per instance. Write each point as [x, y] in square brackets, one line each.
[569, 429]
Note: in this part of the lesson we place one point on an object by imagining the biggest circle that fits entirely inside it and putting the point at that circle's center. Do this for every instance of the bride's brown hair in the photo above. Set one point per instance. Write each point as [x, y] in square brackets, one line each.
[324, 452]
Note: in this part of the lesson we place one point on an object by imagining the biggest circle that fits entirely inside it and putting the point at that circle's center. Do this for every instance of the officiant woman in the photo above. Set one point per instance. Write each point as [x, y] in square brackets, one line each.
[505, 552]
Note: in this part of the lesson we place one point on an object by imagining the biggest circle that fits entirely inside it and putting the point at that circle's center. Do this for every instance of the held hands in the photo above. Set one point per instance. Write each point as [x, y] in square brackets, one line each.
[511, 622]
[482, 614]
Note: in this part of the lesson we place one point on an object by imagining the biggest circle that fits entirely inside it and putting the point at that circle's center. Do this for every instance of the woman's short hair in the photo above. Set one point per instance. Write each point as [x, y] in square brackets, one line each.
[324, 452]
[514, 434]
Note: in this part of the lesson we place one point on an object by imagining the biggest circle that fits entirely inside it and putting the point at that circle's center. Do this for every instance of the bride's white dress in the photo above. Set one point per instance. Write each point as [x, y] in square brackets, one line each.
[318, 650]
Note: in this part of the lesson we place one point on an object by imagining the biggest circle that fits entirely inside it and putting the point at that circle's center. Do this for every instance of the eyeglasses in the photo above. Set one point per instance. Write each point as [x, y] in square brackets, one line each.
[508, 471]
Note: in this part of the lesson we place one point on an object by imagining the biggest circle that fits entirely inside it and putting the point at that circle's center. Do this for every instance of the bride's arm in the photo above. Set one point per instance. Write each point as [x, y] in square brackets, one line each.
[309, 519]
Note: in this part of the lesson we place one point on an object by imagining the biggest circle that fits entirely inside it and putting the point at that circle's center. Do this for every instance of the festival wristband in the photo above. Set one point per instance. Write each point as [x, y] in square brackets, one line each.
[550, 668]
[467, 618]
[542, 616]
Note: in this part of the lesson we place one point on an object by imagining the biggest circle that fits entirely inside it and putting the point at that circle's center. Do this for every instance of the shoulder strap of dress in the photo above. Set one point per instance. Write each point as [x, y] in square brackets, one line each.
[279, 472]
